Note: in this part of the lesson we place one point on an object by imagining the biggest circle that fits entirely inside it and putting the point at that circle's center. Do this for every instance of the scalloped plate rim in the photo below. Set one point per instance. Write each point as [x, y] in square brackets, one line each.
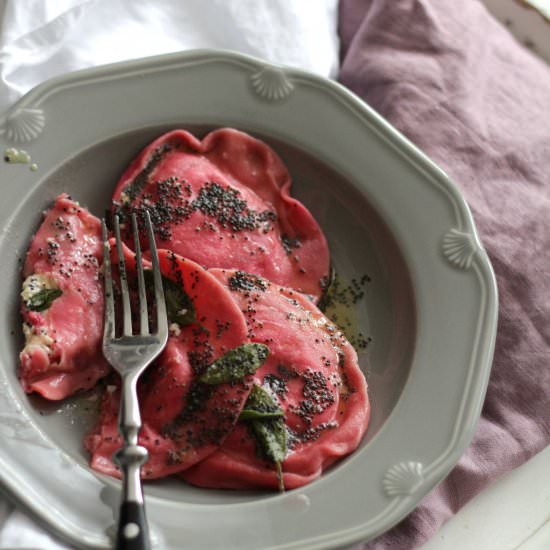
[433, 473]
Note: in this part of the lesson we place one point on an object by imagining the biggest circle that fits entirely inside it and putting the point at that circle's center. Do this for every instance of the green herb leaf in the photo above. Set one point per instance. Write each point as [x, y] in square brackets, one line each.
[266, 420]
[271, 436]
[250, 414]
[260, 406]
[235, 364]
[43, 299]
[179, 307]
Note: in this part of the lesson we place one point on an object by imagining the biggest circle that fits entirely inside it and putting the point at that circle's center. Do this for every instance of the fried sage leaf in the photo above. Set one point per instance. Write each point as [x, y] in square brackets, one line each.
[260, 406]
[271, 435]
[236, 364]
[266, 421]
[271, 438]
[179, 307]
[43, 299]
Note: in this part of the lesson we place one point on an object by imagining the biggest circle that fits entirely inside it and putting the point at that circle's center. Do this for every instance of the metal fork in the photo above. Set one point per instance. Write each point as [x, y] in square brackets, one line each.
[130, 354]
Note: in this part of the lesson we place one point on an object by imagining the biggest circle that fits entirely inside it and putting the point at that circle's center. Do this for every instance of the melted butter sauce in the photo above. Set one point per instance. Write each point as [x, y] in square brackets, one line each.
[341, 303]
[18, 156]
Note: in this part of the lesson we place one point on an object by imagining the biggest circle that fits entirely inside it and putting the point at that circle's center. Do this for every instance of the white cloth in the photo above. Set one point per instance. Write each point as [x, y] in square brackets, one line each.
[44, 38]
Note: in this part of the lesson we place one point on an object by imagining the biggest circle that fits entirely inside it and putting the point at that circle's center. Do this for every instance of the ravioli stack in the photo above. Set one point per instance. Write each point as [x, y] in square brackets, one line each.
[256, 387]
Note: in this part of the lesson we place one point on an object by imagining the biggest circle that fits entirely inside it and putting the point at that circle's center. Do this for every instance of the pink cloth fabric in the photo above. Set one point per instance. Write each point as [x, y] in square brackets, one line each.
[456, 83]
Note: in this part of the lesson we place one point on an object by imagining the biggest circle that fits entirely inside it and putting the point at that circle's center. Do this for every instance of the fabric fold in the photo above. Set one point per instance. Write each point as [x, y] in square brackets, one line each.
[40, 39]
[457, 84]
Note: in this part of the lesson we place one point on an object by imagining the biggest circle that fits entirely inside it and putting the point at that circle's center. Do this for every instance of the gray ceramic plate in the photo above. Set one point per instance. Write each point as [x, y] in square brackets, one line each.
[387, 211]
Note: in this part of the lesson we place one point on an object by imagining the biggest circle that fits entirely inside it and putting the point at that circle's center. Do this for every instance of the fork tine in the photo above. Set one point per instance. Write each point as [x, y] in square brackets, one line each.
[126, 310]
[143, 317]
[162, 321]
[109, 311]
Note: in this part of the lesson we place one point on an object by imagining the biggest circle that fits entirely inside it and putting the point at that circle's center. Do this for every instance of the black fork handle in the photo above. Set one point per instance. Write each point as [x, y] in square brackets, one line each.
[133, 533]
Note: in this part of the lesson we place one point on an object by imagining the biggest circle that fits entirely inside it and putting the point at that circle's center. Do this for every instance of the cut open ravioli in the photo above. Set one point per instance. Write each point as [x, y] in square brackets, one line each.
[62, 304]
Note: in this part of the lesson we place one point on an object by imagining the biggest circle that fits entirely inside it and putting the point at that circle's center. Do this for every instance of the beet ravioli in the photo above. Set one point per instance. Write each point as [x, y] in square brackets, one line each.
[62, 304]
[309, 404]
[225, 202]
[256, 388]
[192, 395]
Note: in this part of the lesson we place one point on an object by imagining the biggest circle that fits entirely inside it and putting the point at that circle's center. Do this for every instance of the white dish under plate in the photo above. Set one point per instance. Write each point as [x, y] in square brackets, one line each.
[387, 210]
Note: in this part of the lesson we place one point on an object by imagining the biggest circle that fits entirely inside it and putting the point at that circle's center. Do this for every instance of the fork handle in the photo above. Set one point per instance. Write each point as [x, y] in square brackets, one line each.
[133, 533]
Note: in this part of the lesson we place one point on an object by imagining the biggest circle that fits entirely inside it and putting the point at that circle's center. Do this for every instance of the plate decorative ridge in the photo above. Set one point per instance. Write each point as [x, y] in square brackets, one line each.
[268, 83]
[271, 83]
[403, 479]
[23, 124]
[459, 248]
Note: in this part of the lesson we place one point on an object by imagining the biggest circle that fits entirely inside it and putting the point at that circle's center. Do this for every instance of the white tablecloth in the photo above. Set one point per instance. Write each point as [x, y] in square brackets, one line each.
[44, 38]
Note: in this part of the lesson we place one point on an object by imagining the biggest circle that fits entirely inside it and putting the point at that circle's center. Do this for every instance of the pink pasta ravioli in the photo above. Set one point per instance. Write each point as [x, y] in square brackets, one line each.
[225, 202]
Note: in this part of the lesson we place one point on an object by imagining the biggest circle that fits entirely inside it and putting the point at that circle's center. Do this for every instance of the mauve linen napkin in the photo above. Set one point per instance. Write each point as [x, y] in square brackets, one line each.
[457, 84]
